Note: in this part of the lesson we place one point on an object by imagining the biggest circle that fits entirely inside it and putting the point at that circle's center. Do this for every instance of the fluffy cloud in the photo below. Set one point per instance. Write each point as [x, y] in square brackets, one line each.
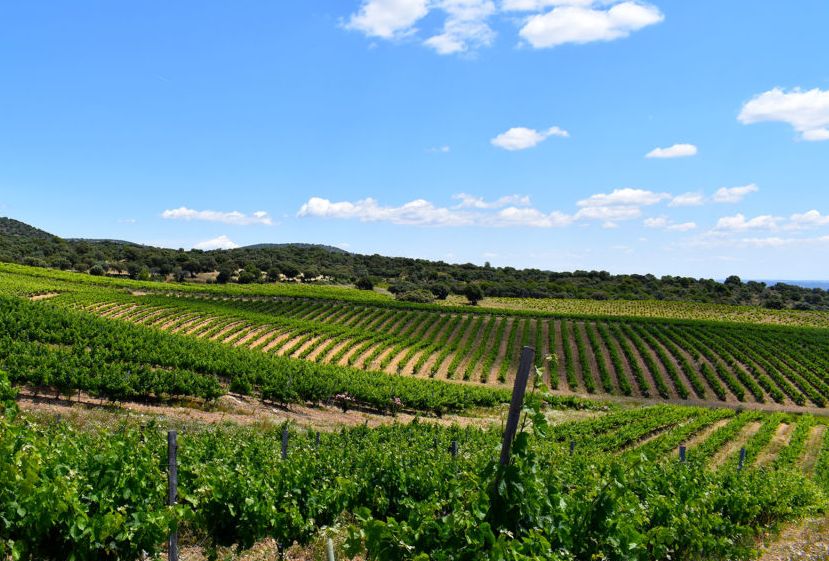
[388, 19]
[513, 216]
[418, 212]
[465, 27]
[521, 138]
[809, 219]
[585, 23]
[675, 151]
[465, 23]
[734, 194]
[625, 197]
[235, 217]
[738, 222]
[687, 199]
[222, 242]
[663, 223]
[439, 149]
[806, 111]
[471, 201]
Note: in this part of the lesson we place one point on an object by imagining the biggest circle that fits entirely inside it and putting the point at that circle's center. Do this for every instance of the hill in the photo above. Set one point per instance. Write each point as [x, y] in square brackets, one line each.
[405, 277]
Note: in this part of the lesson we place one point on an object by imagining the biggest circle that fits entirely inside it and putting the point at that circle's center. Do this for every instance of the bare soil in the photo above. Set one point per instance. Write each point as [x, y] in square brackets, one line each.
[812, 449]
[807, 540]
[734, 445]
[780, 440]
[231, 408]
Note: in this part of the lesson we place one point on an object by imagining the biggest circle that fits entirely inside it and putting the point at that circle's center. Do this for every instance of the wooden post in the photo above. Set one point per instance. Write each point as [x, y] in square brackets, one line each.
[318, 440]
[572, 447]
[285, 443]
[517, 403]
[172, 491]
[742, 459]
[453, 448]
[682, 451]
[330, 548]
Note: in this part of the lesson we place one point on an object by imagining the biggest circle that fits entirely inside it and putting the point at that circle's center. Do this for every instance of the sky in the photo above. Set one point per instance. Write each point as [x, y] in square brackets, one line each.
[666, 137]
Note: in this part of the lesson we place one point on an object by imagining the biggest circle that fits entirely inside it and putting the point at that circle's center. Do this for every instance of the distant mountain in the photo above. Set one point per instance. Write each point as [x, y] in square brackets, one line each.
[330, 248]
[405, 277]
[104, 241]
[12, 227]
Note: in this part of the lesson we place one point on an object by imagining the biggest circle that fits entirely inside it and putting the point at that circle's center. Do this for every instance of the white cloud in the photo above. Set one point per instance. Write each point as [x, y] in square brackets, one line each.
[418, 212]
[423, 213]
[471, 201]
[806, 111]
[809, 219]
[388, 19]
[235, 217]
[675, 151]
[222, 242]
[465, 27]
[626, 196]
[585, 23]
[663, 223]
[521, 138]
[734, 194]
[738, 222]
[687, 199]
[609, 214]
[438, 149]
[513, 216]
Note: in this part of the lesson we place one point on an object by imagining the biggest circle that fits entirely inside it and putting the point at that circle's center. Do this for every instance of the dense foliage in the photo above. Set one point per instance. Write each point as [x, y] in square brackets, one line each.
[98, 493]
[46, 346]
[20, 243]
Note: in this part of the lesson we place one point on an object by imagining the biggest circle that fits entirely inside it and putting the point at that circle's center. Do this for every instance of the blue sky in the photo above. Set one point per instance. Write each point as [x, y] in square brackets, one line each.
[509, 131]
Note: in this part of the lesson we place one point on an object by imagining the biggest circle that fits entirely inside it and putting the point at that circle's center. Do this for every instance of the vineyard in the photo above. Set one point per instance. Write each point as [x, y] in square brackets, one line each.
[679, 360]
[605, 483]
[610, 486]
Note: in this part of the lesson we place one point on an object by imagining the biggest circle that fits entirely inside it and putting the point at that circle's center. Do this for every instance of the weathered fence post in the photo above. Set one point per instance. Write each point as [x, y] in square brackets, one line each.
[453, 448]
[517, 403]
[172, 491]
[285, 443]
[742, 459]
[682, 451]
[572, 447]
[330, 548]
[318, 440]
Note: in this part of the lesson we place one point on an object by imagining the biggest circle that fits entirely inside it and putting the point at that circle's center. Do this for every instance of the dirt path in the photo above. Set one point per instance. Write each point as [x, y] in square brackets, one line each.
[701, 436]
[812, 449]
[804, 541]
[780, 440]
[38, 297]
[230, 408]
[734, 445]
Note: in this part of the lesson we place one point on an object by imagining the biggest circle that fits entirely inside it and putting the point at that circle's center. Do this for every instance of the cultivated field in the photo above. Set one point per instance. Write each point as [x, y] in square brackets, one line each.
[601, 482]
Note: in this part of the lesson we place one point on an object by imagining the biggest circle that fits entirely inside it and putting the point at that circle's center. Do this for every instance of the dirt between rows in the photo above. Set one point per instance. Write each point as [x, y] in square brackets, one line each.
[234, 409]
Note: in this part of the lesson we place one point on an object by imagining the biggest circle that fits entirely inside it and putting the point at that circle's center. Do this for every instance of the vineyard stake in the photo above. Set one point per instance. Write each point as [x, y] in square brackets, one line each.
[572, 447]
[330, 548]
[742, 459]
[682, 451]
[284, 443]
[453, 448]
[172, 491]
[517, 403]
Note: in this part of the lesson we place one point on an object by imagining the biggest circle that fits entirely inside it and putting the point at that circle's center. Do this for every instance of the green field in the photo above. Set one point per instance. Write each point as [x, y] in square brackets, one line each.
[85, 490]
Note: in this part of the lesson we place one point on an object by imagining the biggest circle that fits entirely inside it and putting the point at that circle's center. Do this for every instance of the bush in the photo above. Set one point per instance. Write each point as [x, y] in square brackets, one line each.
[418, 296]
[365, 284]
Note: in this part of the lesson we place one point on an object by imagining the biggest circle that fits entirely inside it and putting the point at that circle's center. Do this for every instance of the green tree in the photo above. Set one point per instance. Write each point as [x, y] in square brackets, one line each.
[473, 293]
